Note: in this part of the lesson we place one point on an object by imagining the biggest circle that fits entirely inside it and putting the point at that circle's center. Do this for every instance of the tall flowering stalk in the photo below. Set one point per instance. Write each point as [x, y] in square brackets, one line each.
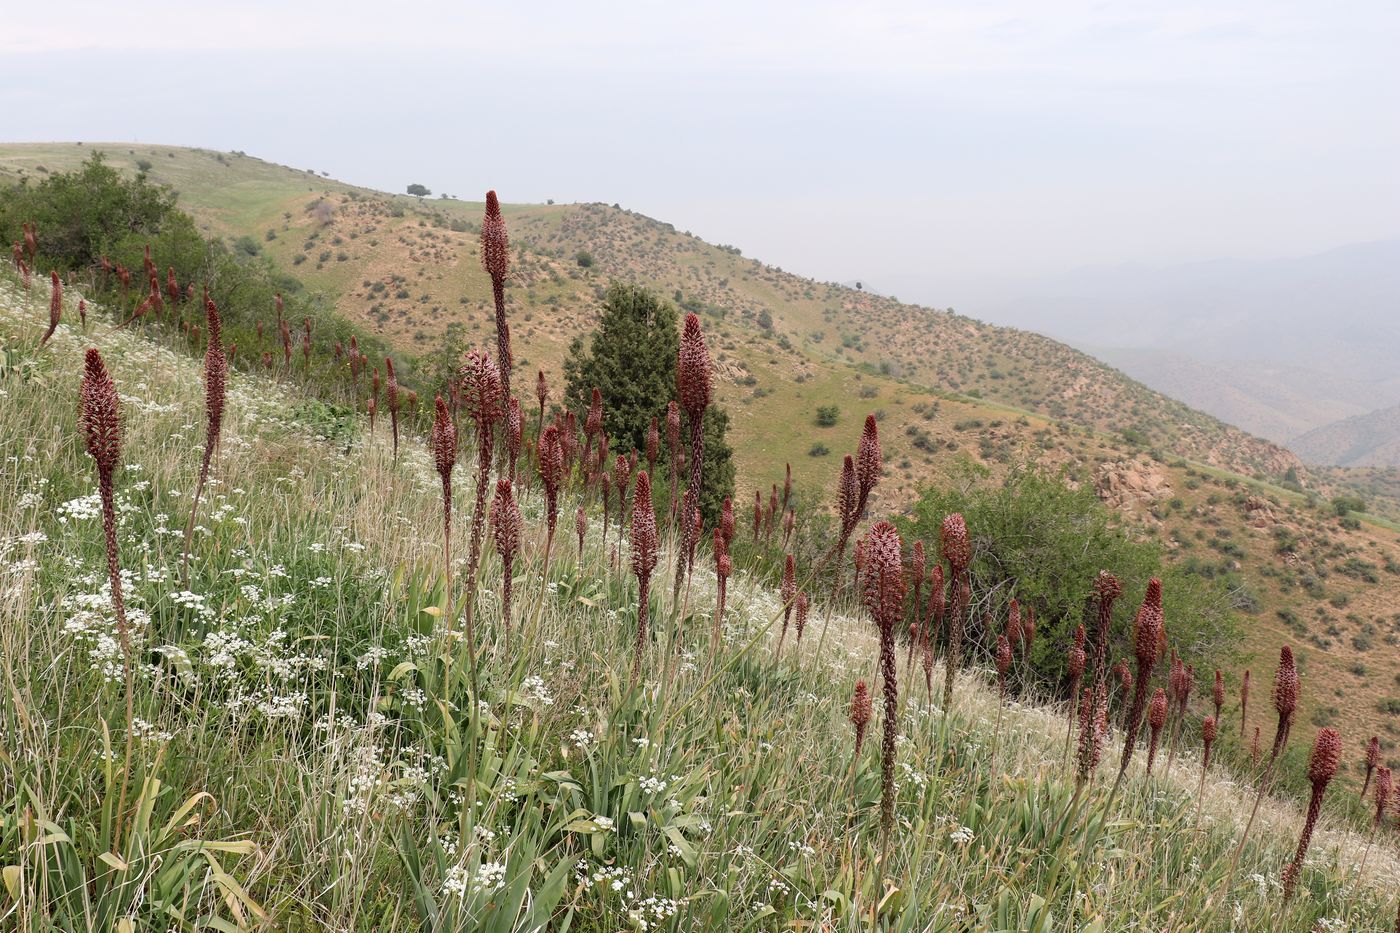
[443, 442]
[1384, 787]
[757, 515]
[99, 419]
[1107, 589]
[1285, 700]
[847, 495]
[933, 622]
[514, 435]
[392, 397]
[1322, 767]
[1003, 659]
[957, 551]
[581, 527]
[884, 588]
[918, 566]
[868, 463]
[800, 608]
[55, 306]
[215, 384]
[694, 378]
[860, 719]
[788, 594]
[1218, 693]
[1149, 629]
[508, 527]
[1285, 704]
[551, 466]
[483, 396]
[541, 396]
[1373, 758]
[1156, 719]
[1093, 727]
[1074, 662]
[592, 425]
[673, 441]
[495, 259]
[1208, 732]
[1185, 676]
[724, 567]
[644, 548]
[1244, 702]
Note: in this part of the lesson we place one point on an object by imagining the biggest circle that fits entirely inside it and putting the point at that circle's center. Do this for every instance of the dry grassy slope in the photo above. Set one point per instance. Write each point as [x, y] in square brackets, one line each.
[413, 277]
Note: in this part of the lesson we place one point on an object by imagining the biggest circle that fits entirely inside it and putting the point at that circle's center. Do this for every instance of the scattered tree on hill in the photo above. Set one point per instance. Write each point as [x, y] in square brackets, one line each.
[631, 358]
[419, 191]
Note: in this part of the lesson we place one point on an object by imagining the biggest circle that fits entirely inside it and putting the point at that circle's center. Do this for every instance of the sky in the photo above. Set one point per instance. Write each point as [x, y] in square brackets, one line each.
[930, 149]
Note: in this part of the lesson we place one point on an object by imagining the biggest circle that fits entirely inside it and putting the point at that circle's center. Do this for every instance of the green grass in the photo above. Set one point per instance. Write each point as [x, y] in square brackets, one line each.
[322, 763]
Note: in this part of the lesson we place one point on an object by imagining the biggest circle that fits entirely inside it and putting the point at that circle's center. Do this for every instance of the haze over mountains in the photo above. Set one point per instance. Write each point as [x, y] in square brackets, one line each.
[1283, 348]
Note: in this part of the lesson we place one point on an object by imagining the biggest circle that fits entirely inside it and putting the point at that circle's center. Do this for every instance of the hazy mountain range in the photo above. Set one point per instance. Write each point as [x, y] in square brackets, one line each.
[1302, 351]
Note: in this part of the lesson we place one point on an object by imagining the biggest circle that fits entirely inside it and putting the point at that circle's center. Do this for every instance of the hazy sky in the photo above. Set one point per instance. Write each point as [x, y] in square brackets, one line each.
[919, 146]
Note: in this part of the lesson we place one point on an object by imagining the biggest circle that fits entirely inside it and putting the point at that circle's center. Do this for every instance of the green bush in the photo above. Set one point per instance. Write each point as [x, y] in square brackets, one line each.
[630, 357]
[1035, 538]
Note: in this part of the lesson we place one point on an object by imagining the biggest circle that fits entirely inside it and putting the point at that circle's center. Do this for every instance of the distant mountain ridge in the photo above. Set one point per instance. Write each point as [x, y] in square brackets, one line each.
[1278, 347]
[1368, 440]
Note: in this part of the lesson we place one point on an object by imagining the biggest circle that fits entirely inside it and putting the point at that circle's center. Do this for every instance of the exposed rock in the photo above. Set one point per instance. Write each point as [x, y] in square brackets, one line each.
[1132, 485]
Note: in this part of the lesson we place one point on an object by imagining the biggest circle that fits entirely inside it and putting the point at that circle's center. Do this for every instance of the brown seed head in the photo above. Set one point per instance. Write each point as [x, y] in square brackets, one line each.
[507, 523]
[860, 706]
[644, 539]
[55, 306]
[593, 421]
[847, 495]
[693, 370]
[653, 443]
[1326, 755]
[1003, 656]
[884, 575]
[957, 549]
[937, 595]
[100, 415]
[1075, 662]
[1149, 625]
[482, 394]
[443, 439]
[868, 462]
[1384, 787]
[495, 244]
[1157, 710]
[515, 427]
[1286, 684]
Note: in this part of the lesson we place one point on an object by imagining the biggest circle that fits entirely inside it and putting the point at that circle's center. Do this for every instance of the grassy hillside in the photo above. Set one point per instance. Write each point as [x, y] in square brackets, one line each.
[786, 346]
[309, 755]
[411, 270]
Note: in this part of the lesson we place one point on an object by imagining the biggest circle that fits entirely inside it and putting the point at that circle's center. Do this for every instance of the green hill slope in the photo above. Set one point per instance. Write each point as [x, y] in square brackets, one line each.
[308, 752]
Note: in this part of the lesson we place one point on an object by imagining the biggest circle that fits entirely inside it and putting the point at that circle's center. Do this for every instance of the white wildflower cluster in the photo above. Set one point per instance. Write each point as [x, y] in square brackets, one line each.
[459, 880]
[534, 688]
[912, 776]
[145, 732]
[645, 913]
[80, 509]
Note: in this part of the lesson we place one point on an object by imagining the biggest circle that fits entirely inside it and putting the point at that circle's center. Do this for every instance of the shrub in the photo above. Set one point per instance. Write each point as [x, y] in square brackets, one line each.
[827, 416]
